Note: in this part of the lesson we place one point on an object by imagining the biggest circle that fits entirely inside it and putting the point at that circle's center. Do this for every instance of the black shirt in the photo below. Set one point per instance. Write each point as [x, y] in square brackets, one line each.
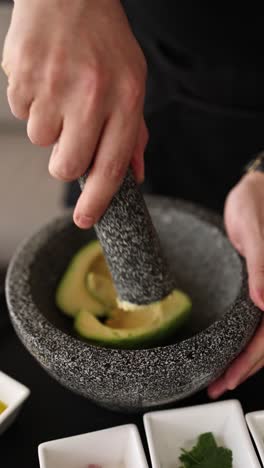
[205, 94]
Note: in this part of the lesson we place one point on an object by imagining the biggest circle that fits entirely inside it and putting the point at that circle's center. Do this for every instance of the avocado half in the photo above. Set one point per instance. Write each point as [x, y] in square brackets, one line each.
[134, 328]
[102, 289]
[72, 293]
[87, 293]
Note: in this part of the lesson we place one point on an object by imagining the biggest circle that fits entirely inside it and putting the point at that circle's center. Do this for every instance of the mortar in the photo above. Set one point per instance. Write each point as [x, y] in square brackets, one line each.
[203, 264]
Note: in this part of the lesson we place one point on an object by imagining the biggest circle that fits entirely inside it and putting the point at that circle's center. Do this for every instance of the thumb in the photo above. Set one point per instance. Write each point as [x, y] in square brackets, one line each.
[253, 249]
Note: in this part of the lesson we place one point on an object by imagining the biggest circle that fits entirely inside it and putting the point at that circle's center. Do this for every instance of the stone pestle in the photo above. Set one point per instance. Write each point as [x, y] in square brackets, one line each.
[132, 247]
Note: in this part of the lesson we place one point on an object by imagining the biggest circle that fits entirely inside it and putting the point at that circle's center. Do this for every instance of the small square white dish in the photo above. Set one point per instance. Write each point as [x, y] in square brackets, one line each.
[255, 422]
[170, 430]
[12, 394]
[117, 447]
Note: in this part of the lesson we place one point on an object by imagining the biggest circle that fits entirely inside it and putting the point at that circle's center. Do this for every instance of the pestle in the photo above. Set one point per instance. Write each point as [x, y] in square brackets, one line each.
[132, 248]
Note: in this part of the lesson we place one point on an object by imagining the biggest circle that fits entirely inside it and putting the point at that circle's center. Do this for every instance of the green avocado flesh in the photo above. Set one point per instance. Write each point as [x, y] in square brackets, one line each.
[102, 289]
[72, 293]
[131, 328]
[87, 293]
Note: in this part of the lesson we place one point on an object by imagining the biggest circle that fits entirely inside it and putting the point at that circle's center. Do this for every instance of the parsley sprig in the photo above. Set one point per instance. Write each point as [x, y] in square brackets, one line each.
[206, 454]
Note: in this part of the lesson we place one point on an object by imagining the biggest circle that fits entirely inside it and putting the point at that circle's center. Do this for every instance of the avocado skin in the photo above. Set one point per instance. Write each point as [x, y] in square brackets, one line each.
[152, 337]
[86, 293]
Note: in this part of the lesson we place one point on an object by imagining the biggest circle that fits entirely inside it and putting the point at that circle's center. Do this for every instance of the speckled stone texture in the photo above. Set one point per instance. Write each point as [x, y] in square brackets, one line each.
[203, 264]
[132, 247]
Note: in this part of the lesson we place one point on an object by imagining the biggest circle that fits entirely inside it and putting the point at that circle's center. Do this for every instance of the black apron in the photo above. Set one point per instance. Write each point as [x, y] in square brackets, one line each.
[205, 95]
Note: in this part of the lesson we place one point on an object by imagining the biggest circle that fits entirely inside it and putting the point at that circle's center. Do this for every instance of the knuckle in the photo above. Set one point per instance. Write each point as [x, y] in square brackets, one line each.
[54, 78]
[12, 94]
[115, 171]
[24, 66]
[19, 107]
[67, 171]
[5, 65]
[59, 55]
[56, 69]
[15, 92]
[27, 48]
[132, 92]
[94, 80]
[23, 73]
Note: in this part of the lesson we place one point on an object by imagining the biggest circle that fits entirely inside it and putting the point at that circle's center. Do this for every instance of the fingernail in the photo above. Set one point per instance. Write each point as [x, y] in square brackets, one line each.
[233, 385]
[84, 221]
[217, 389]
[216, 394]
[242, 380]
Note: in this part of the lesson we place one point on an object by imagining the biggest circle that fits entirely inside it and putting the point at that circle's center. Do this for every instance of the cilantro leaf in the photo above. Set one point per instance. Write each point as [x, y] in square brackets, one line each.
[206, 454]
[219, 458]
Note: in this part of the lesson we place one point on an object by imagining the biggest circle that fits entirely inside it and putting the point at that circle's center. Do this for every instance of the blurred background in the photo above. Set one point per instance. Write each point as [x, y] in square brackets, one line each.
[28, 195]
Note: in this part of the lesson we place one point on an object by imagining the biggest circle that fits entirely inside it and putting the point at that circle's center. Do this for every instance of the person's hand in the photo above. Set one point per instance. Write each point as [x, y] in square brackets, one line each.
[244, 220]
[77, 74]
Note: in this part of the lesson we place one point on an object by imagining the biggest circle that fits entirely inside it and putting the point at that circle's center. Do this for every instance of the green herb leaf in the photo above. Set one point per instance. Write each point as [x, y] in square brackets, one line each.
[220, 458]
[206, 454]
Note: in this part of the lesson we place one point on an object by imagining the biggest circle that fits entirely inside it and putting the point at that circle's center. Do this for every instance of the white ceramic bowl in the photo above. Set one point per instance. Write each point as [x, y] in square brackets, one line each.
[118, 447]
[255, 423]
[169, 431]
[13, 394]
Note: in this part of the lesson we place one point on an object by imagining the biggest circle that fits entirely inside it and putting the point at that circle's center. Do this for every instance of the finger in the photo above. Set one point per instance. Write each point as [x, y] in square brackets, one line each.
[217, 388]
[77, 144]
[242, 366]
[256, 368]
[5, 68]
[245, 362]
[253, 371]
[19, 99]
[44, 123]
[253, 248]
[109, 168]
[137, 161]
